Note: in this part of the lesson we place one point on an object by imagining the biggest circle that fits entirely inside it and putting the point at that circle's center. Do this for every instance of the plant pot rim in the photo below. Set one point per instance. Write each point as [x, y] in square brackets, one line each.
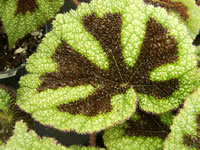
[11, 72]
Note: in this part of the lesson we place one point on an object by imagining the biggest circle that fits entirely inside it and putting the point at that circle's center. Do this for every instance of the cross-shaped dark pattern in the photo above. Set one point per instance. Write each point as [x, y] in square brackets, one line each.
[178, 7]
[23, 6]
[193, 142]
[74, 69]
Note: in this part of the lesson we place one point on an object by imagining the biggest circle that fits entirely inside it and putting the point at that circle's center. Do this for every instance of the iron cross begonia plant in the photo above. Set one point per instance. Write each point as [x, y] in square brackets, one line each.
[127, 67]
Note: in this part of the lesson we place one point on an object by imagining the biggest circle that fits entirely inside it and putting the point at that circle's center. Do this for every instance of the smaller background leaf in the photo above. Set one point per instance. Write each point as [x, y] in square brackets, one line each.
[118, 138]
[4, 100]
[185, 130]
[18, 21]
[29, 140]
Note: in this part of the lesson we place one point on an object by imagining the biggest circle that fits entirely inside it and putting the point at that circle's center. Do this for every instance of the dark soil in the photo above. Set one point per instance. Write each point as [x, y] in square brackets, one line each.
[11, 59]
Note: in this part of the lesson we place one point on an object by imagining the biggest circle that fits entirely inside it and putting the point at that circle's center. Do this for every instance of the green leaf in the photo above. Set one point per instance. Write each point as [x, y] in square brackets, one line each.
[142, 131]
[21, 17]
[6, 117]
[186, 10]
[4, 100]
[167, 118]
[23, 139]
[10, 113]
[185, 130]
[27, 139]
[2, 7]
[193, 22]
[88, 69]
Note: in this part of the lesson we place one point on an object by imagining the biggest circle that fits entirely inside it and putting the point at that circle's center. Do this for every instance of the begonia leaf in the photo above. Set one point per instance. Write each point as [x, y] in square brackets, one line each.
[5, 98]
[20, 17]
[167, 118]
[24, 139]
[145, 132]
[28, 140]
[187, 11]
[90, 69]
[10, 113]
[185, 130]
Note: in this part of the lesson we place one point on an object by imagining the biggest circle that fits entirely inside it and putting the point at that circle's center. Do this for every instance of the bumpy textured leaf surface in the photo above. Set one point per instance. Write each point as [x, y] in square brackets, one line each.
[88, 69]
[6, 96]
[27, 140]
[2, 5]
[142, 131]
[187, 10]
[185, 130]
[167, 118]
[193, 22]
[20, 17]
[10, 113]
[5, 99]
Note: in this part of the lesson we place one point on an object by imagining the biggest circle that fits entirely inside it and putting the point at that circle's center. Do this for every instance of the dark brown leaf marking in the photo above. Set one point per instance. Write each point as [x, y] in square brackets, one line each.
[74, 69]
[178, 7]
[198, 2]
[158, 48]
[193, 142]
[24, 6]
[147, 126]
